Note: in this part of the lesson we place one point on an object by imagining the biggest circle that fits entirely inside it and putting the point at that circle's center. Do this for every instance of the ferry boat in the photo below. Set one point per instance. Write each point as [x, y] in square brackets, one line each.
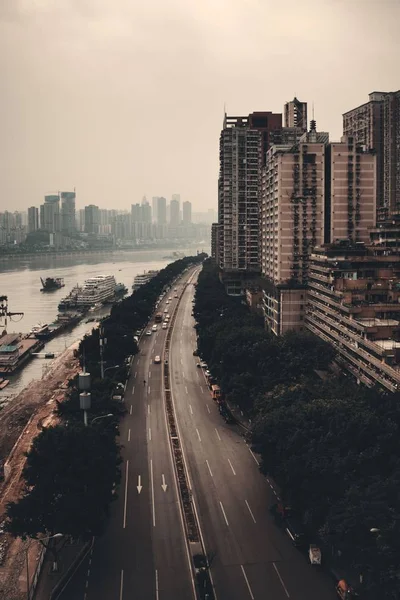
[38, 329]
[143, 278]
[96, 290]
[70, 300]
[51, 283]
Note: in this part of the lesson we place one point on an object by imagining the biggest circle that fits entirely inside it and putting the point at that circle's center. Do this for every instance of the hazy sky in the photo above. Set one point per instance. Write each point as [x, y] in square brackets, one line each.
[122, 98]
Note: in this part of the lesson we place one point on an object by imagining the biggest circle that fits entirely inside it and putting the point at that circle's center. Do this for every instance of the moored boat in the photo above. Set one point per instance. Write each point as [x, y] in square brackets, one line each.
[50, 284]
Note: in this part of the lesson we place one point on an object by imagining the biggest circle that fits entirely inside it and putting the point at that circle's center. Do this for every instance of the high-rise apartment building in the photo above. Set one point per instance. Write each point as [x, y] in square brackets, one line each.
[68, 223]
[50, 213]
[295, 114]
[214, 241]
[312, 193]
[376, 124]
[187, 213]
[161, 208]
[92, 219]
[33, 219]
[174, 218]
[146, 211]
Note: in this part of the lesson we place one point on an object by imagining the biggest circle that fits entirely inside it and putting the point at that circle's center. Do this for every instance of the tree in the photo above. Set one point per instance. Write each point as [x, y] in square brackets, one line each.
[69, 476]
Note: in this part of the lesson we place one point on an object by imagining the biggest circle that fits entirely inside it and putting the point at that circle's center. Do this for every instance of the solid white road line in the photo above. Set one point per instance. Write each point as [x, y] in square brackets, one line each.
[149, 434]
[208, 408]
[130, 410]
[198, 435]
[281, 580]
[152, 493]
[149, 374]
[209, 468]
[121, 585]
[126, 492]
[129, 435]
[253, 455]
[230, 464]
[190, 408]
[216, 431]
[157, 595]
[223, 512]
[250, 511]
[247, 581]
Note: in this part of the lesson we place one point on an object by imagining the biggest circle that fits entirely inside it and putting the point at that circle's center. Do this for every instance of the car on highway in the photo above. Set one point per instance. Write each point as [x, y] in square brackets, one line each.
[207, 373]
[176, 295]
[148, 332]
[166, 310]
[175, 289]
[195, 353]
[165, 326]
[167, 302]
[154, 328]
[203, 364]
[169, 299]
[157, 360]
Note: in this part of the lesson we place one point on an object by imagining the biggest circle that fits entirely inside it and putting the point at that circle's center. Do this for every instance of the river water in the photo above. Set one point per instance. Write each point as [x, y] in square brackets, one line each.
[20, 281]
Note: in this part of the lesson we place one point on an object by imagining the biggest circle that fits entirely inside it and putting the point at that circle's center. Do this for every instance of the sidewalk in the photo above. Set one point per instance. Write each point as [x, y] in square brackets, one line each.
[68, 560]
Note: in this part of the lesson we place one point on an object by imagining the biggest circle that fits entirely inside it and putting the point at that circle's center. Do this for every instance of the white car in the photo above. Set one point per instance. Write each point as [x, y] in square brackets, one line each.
[148, 332]
[169, 299]
[154, 328]
[165, 326]
[157, 360]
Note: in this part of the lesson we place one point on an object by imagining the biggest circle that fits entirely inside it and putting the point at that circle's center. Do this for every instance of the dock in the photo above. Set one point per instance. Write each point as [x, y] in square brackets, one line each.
[15, 350]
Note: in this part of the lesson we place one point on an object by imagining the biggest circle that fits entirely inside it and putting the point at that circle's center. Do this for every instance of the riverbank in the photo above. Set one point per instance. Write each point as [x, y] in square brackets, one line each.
[5, 256]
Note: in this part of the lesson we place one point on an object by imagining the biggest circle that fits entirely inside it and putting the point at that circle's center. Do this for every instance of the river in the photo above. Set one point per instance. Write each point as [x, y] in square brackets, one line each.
[20, 281]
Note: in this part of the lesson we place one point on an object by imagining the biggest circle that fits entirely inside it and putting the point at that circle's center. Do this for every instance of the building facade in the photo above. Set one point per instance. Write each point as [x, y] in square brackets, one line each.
[187, 213]
[33, 219]
[50, 213]
[354, 304]
[174, 218]
[92, 219]
[376, 124]
[295, 114]
[68, 217]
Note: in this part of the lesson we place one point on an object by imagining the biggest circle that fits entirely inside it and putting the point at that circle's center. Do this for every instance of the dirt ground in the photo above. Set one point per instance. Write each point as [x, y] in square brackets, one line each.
[31, 409]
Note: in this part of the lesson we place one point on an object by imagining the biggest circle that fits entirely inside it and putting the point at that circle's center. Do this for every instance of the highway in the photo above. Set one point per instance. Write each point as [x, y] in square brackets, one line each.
[251, 557]
[143, 554]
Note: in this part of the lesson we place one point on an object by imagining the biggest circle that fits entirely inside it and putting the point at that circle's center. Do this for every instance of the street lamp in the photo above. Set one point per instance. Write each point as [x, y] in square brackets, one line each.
[107, 369]
[41, 540]
[101, 417]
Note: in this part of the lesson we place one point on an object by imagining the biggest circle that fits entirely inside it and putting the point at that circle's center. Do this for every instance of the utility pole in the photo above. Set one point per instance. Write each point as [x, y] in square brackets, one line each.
[4, 312]
[102, 343]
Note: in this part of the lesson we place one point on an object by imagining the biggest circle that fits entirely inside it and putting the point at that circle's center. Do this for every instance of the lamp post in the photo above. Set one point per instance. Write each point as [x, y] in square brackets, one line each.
[50, 537]
[101, 417]
[108, 368]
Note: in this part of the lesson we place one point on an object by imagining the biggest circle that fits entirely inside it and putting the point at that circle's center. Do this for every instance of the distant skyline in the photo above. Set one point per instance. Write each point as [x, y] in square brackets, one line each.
[123, 99]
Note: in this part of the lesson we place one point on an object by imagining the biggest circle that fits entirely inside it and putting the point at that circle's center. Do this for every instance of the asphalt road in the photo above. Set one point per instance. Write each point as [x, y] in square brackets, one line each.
[251, 557]
[143, 554]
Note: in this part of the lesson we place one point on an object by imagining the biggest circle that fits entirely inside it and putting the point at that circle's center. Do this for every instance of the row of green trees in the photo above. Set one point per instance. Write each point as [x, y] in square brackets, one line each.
[332, 446]
[71, 470]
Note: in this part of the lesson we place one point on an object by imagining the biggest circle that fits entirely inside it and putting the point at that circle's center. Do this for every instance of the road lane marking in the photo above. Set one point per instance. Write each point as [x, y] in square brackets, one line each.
[190, 408]
[126, 492]
[253, 455]
[135, 373]
[133, 389]
[129, 435]
[250, 511]
[183, 375]
[202, 391]
[138, 361]
[139, 484]
[198, 435]
[230, 464]
[130, 410]
[148, 390]
[247, 581]
[223, 512]
[157, 595]
[281, 580]
[149, 374]
[121, 585]
[152, 493]
[149, 434]
[181, 362]
[208, 408]
[186, 390]
[216, 431]
[148, 408]
[209, 468]
[163, 485]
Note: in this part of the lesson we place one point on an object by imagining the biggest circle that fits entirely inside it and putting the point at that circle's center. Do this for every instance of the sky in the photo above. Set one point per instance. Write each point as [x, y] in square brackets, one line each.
[125, 98]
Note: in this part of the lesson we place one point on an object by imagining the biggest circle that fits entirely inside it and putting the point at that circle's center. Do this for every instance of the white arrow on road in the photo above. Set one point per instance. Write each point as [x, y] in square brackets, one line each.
[139, 485]
[164, 485]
